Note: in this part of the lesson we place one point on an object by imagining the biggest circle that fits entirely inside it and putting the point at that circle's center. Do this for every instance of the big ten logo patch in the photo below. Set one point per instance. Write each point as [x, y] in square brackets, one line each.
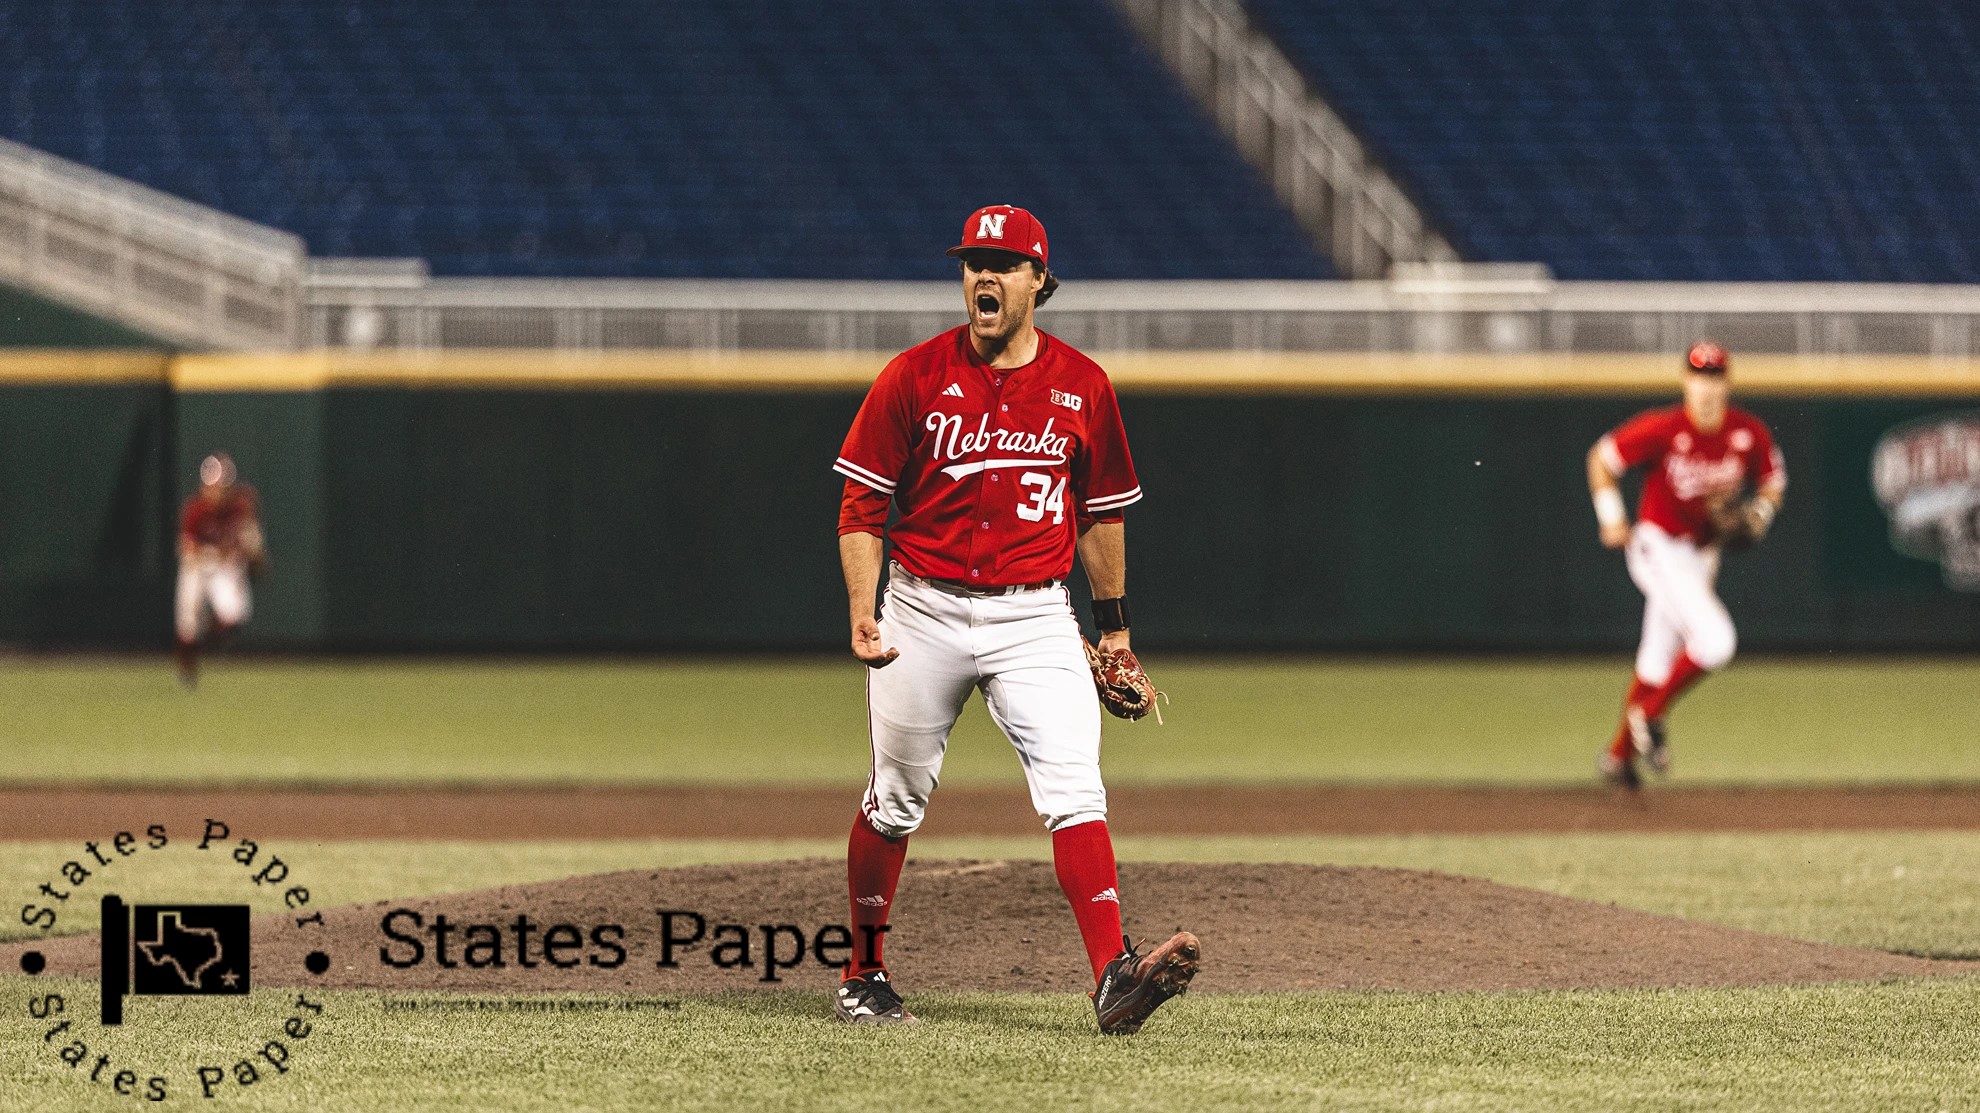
[1069, 401]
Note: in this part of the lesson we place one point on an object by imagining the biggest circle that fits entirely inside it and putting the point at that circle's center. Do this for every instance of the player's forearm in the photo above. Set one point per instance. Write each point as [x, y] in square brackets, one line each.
[1603, 490]
[1103, 553]
[1766, 506]
[859, 557]
[1600, 478]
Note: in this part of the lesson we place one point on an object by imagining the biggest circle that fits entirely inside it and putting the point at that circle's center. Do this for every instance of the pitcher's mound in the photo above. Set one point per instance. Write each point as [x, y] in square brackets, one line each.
[1004, 925]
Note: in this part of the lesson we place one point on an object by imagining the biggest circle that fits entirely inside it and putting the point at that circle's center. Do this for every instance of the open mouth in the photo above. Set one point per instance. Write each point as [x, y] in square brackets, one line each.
[987, 306]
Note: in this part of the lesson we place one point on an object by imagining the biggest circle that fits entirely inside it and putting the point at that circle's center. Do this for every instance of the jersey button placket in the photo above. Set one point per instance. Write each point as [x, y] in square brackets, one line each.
[982, 502]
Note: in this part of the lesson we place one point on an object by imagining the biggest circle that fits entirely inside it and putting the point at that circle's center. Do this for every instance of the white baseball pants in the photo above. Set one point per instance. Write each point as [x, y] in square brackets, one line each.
[1022, 651]
[1681, 608]
[209, 583]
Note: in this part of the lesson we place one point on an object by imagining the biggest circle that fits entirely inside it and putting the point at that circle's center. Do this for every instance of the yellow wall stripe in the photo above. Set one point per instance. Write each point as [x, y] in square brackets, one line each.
[49, 367]
[1133, 372]
[529, 370]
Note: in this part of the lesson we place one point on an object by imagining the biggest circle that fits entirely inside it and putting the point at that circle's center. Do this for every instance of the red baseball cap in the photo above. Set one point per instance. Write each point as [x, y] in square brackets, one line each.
[1707, 358]
[1004, 228]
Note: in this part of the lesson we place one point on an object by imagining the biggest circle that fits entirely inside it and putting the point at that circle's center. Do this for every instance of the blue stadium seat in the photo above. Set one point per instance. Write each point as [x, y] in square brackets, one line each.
[1832, 140]
[695, 138]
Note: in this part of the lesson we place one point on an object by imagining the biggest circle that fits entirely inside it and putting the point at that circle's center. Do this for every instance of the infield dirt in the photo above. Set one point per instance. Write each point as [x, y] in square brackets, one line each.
[1004, 926]
[503, 812]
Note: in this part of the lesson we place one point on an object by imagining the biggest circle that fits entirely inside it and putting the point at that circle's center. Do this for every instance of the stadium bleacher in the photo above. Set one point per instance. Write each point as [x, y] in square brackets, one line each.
[772, 138]
[1669, 139]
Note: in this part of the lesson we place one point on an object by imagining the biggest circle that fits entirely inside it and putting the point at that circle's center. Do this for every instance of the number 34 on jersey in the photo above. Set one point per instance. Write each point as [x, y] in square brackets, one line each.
[1050, 497]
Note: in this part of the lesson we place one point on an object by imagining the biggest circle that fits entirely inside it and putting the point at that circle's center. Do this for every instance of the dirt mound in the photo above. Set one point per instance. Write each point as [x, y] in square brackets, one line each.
[1003, 925]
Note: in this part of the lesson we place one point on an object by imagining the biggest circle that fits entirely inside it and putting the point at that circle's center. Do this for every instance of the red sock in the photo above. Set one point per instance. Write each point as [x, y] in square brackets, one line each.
[873, 869]
[1623, 747]
[1083, 855]
[1683, 675]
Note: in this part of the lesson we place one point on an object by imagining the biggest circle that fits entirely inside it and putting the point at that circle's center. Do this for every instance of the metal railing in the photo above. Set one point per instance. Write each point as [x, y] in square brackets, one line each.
[1319, 169]
[1431, 308]
[184, 273]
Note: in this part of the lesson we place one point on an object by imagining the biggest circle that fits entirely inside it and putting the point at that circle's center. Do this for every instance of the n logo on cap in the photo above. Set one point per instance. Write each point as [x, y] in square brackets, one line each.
[991, 226]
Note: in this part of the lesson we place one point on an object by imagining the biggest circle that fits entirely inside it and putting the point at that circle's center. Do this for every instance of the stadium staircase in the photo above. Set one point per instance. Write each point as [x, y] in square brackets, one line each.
[1320, 170]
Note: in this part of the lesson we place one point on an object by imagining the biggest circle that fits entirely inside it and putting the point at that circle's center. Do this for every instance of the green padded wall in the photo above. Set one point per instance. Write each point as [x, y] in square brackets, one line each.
[426, 519]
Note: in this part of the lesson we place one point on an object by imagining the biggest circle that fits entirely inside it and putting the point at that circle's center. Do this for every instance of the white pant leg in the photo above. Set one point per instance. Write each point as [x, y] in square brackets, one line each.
[912, 704]
[1040, 691]
[189, 601]
[1660, 645]
[227, 594]
[1677, 576]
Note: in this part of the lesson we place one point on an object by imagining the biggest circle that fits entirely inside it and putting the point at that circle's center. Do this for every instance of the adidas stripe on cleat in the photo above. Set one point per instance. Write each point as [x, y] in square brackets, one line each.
[870, 999]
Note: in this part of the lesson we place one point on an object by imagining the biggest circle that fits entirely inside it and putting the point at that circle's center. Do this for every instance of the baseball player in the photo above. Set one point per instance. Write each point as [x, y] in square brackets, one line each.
[1698, 459]
[1002, 448]
[220, 547]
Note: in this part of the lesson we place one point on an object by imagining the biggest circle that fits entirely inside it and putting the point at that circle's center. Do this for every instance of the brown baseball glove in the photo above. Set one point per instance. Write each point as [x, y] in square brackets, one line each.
[1738, 524]
[1125, 690]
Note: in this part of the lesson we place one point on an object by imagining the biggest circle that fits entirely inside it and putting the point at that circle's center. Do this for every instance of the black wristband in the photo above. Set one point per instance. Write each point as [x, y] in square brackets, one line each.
[1110, 614]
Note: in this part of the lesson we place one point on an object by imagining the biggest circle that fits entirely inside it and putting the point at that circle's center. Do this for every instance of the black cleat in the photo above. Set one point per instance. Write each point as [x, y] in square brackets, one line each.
[1651, 741]
[1620, 772]
[870, 999]
[1133, 986]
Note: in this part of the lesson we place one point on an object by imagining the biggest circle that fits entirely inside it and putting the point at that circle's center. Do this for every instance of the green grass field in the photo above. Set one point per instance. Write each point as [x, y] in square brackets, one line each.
[1898, 1045]
[1901, 1045]
[803, 721]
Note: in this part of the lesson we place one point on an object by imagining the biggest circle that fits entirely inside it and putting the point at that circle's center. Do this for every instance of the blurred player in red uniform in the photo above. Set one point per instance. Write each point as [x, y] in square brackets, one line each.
[220, 547]
[1698, 459]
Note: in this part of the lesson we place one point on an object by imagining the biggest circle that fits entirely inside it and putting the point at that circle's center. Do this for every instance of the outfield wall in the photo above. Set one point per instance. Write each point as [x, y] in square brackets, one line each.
[671, 500]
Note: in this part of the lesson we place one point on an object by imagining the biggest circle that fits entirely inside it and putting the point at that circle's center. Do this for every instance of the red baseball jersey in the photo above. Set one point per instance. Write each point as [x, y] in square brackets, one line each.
[1688, 468]
[991, 468]
[219, 524]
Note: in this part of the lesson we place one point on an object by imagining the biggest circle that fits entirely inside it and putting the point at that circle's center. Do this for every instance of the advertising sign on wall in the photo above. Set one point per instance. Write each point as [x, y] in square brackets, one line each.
[1927, 477]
